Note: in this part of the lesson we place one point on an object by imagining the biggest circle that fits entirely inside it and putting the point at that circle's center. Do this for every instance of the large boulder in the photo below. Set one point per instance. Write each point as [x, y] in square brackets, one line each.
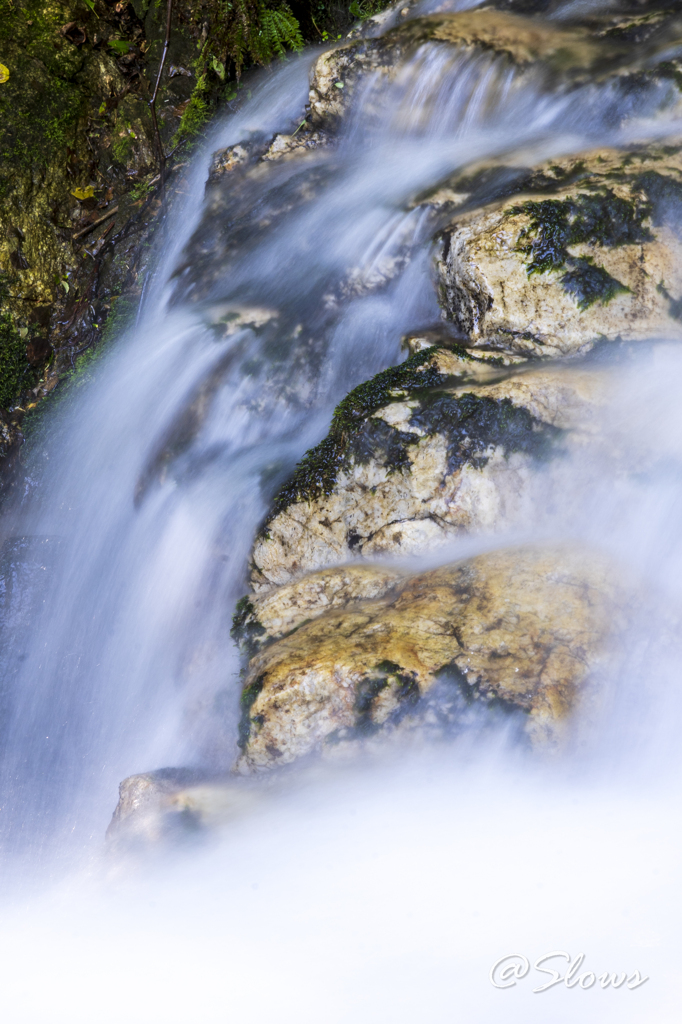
[524, 629]
[588, 252]
[446, 442]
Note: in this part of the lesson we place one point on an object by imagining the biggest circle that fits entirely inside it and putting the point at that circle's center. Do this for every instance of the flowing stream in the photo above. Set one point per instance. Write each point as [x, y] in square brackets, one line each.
[373, 895]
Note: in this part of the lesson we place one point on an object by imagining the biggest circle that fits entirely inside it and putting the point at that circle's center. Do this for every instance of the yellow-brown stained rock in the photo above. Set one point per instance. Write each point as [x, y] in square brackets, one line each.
[527, 626]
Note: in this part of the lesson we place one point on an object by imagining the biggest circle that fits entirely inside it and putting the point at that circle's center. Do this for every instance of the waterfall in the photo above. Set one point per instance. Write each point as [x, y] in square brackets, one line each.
[122, 566]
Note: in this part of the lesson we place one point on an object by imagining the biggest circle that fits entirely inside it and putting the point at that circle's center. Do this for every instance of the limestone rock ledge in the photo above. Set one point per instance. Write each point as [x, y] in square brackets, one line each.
[523, 629]
[444, 443]
[522, 41]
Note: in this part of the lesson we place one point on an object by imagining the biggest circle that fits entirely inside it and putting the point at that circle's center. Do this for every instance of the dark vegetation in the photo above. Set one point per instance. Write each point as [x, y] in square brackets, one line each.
[600, 218]
[472, 423]
[248, 698]
[80, 160]
[386, 673]
[247, 632]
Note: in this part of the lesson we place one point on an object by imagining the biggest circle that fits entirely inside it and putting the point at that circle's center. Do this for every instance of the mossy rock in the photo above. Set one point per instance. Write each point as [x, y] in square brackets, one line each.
[447, 442]
[589, 258]
[76, 143]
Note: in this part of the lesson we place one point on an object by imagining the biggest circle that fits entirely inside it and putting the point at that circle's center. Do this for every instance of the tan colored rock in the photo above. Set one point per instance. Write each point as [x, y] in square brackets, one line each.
[461, 456]
[286, 147]
[226, 161]
[272, 614]
[552, 274]
[468, 363]
[527, 627]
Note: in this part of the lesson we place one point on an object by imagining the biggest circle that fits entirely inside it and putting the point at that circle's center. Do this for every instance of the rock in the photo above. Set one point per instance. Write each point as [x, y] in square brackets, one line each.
[226, 161]
[167, 804]
[521, 41]
[524, 628]
[441, 444]
[261, 618]
[589, 258]
[286, 147]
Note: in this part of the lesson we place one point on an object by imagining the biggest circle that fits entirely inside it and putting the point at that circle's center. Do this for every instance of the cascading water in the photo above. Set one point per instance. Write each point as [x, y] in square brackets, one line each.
[122, 570]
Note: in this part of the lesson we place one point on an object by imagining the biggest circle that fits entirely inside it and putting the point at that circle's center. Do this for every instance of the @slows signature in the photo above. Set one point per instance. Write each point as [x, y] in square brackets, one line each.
[512, 967]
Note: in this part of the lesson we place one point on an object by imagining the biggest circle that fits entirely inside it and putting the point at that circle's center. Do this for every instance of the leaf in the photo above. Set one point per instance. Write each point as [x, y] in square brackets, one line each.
[90, 4]
[84, 193]
[120, 45]
[4, 73]
[219, 68]
[339, 85]
[103, 107]
[65, 286]
[23, 331]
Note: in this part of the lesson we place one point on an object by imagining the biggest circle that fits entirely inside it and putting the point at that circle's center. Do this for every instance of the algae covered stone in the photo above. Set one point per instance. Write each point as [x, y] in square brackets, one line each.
[596, 258]
[522, 627]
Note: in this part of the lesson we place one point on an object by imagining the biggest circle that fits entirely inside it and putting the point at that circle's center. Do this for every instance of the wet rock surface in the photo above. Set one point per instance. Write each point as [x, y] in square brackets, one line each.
[522, 41]
[445, 443]
[522, 628]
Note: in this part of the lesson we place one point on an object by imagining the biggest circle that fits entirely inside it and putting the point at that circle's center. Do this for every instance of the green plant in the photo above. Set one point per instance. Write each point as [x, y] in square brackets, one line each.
[141, 190]
[363, 9]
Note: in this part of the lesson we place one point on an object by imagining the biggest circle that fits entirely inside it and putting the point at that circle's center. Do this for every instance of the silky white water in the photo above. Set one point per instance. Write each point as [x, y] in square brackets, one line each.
[384, 892]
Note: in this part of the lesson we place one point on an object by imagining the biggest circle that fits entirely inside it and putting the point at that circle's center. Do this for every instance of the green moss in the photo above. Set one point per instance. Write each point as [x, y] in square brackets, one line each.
[378, 441]
[121, 316]
[247, 632]
[600, 218]
[383, 675]
[248, 698]
[240, 32]
[317, 471]
[123, 144]
[473, 423]
[16, 373]
[42, 102]
[196, 115]
[589, 283]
